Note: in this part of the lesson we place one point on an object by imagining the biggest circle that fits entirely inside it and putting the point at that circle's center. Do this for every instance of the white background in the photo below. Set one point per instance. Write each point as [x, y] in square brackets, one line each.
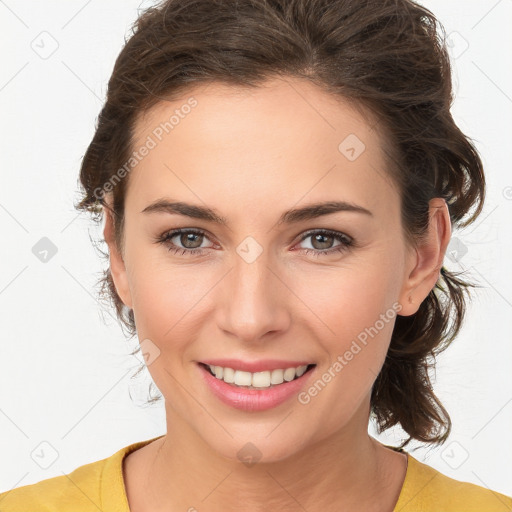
[65, 364]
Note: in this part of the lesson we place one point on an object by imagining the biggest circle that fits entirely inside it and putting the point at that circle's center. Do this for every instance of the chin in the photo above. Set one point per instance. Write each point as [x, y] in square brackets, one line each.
[251, 449]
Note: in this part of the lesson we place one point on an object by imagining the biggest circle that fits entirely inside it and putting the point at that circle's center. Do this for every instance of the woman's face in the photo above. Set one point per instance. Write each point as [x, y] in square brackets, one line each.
[261, 289]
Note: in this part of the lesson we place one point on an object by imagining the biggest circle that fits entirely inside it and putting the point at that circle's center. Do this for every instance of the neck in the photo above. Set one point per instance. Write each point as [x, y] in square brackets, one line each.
[348, 470]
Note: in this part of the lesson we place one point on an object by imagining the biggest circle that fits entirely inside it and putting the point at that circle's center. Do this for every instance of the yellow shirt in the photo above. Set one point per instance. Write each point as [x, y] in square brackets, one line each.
[99, 486]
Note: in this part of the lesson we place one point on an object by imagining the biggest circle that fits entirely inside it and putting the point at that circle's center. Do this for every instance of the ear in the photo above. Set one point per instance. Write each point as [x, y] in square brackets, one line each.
[117, 265]
[425, 262]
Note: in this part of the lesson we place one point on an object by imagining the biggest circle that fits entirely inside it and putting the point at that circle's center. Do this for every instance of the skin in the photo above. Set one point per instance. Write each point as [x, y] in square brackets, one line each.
[251, 155]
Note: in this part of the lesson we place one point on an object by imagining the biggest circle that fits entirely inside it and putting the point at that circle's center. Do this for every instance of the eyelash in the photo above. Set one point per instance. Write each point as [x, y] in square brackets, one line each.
[346, 242]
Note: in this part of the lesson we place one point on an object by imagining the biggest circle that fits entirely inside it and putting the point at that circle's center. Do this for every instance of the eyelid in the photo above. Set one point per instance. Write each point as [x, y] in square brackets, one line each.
[171, 233]
[346, 242]
[331, 232]
[197, 231]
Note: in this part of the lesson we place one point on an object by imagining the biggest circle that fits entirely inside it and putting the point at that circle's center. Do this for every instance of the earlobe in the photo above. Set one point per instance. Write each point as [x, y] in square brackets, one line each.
[425, 262]
[117, 264]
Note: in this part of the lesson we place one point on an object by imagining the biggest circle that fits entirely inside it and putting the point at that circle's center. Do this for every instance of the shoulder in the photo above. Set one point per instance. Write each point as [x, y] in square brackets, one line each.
[95, 486]
[427, 490]
[77, 491]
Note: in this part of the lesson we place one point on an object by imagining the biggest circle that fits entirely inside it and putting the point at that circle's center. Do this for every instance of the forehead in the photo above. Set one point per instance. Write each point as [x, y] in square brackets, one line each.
[274, 104]
[283, 141]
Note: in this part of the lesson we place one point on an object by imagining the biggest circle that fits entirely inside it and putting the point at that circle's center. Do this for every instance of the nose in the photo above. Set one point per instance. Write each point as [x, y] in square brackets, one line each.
[254, 300]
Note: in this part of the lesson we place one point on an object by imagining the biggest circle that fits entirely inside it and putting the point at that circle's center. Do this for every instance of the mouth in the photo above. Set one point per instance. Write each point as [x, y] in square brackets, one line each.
[257, 380]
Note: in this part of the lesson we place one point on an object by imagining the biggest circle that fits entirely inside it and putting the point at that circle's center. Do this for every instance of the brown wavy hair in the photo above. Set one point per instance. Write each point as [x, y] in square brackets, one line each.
[389, 59]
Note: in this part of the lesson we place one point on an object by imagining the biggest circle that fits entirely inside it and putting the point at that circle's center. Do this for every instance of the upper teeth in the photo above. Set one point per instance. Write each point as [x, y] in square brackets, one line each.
[258, 379]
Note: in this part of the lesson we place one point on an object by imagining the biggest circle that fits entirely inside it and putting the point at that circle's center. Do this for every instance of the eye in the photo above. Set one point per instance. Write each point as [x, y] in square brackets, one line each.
[190, 242]
[322, 242]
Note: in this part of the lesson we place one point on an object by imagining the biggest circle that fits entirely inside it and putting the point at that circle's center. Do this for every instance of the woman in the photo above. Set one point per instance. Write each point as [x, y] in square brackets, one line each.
[279, 180]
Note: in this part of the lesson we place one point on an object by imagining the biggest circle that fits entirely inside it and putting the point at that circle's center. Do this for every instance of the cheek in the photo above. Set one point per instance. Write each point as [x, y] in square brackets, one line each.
[337, 304]
[355, 312]
[347, 299]
[166, 298]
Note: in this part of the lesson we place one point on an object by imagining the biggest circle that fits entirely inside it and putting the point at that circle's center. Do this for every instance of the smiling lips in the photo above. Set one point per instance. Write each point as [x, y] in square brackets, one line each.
[256, 366]
[256, 374]
[264, 379]
[255, 391]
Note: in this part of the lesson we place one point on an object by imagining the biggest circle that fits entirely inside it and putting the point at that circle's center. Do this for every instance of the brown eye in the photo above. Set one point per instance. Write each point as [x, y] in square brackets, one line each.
[323, 242]
[184, 241]
[191, 240]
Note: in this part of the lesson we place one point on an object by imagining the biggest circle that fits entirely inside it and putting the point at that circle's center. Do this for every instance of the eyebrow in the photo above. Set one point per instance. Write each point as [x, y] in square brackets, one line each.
[294, 215]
